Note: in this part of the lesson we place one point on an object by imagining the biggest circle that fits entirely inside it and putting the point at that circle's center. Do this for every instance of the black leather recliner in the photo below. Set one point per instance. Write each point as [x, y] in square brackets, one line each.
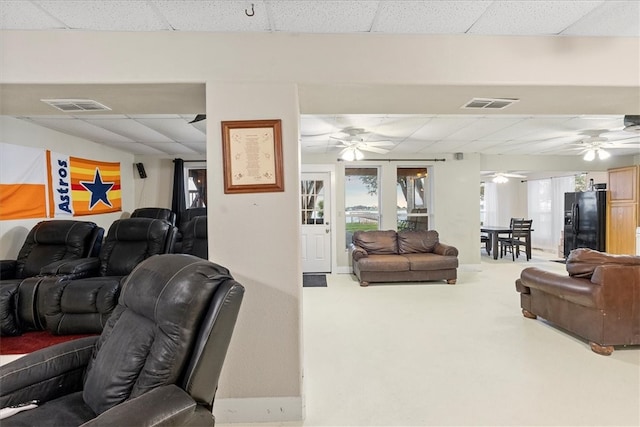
[157, 362]
[157, 213]
[48, 244]
[183, 222]
[194, 240]
[80, 295]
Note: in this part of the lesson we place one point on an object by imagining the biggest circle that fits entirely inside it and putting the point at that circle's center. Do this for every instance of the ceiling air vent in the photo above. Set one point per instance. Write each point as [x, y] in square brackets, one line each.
[490, 103]
[76, 105]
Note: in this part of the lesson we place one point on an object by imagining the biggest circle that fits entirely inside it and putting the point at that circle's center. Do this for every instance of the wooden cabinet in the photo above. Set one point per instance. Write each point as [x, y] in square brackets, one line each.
[623, 210]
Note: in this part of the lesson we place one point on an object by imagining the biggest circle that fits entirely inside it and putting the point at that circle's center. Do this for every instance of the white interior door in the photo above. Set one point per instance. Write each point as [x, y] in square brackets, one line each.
[316, 228]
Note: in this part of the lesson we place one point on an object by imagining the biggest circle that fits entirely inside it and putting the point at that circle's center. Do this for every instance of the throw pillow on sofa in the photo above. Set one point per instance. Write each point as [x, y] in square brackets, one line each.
[376, 242]
[414, 242]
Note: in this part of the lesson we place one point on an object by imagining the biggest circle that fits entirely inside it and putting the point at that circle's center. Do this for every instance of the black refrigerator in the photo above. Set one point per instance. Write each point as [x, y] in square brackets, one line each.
[585, 220]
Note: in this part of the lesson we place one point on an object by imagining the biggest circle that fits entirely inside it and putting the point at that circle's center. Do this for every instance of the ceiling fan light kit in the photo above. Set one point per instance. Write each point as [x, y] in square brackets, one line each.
[590, 155]
[352, 153]
[503, 177]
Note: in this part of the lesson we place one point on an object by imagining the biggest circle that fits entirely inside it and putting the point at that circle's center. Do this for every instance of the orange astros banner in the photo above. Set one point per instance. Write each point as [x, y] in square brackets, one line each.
[22, 182]
[82, 187]
[37, 183]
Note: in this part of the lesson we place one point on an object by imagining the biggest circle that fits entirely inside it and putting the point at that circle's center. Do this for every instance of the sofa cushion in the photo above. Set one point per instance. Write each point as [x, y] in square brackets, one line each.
[377, 242]
[583, 261]
[384, 263]
[413, 241]
[431, 261]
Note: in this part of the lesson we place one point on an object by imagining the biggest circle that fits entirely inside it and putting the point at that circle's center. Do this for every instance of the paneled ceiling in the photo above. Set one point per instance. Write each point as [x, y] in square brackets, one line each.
[136, 124]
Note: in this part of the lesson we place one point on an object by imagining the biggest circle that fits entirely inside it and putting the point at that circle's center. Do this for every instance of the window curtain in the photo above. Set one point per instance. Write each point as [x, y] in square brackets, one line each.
[490, 204]
[546, 209]
[178, 199]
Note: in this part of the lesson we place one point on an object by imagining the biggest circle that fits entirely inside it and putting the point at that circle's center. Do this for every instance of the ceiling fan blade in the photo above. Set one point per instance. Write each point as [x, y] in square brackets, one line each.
[379, 143]
[373, 149]
[513, 175]
[614, 145]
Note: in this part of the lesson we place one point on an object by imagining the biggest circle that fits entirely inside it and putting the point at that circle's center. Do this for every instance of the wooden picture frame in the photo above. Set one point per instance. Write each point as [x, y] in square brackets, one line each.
[252, 153]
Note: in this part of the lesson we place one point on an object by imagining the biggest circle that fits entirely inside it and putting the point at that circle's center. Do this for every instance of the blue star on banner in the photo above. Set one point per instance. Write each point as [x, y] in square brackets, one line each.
[98, 190]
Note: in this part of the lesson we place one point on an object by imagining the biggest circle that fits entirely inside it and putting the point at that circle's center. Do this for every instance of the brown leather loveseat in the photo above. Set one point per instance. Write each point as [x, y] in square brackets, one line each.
[404, 256]
[599, 300]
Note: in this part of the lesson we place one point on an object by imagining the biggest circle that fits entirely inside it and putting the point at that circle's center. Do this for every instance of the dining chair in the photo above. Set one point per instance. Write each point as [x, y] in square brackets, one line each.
[508, 237]
[486, 240]
[520, 236]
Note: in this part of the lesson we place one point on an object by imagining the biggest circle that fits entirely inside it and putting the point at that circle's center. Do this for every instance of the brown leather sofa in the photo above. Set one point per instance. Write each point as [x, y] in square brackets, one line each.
[404, 256]
[598, 301]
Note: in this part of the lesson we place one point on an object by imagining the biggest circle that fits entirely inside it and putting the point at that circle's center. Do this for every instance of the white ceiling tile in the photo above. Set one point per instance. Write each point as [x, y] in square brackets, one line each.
[95, 116]
[200, 148]
[24, 15]
[368, 122]
[536, 17]
[478, 146]
[113, 15]
[314, 126]
[130, 129]
[611, 18]
[483, 127]
[323, 16]
[214, 15]
[172, 148]
[81, 129]
[400, 126]
[187, 118]
[411, 146]
[428, 17]
[135, 148]
[176, 129]
[531, 129]
[442, 126]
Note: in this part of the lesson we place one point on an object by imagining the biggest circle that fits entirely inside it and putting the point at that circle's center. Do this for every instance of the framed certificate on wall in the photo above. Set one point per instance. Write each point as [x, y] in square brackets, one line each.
[252, 153]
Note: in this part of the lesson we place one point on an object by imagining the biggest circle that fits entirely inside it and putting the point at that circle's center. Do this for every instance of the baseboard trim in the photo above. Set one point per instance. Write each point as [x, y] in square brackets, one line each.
[258, 410]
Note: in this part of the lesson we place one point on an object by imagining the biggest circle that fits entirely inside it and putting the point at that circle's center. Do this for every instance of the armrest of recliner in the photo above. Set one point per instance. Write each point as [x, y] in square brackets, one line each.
[74, 269]
[47, 373]
[167, 405]
[8, 268]
[446, 250]
[357, 252]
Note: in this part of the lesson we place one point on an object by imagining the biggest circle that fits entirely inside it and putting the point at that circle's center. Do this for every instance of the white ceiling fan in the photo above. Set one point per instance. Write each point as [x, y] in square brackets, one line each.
[502, 177]
[598, 141]
[353, 144]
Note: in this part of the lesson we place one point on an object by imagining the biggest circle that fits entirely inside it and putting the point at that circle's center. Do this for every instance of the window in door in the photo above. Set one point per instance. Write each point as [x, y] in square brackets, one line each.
[196, 176]
[312, 203]
[412, 196]
[362, 201]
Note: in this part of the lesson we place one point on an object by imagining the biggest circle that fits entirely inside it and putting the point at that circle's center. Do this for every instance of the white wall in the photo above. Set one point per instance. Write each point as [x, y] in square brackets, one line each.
[257, 236]
[157, 188]
[19, 132]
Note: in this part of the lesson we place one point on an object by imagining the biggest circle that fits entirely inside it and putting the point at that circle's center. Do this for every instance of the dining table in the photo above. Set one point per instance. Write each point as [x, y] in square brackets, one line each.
[493, 231]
